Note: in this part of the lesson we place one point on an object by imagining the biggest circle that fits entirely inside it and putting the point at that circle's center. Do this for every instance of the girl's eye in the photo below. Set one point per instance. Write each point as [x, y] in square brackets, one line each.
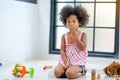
[74, 21]
[68, 21]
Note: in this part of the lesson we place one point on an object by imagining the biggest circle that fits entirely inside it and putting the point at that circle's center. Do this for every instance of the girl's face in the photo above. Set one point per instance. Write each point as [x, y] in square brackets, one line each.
[72, 23]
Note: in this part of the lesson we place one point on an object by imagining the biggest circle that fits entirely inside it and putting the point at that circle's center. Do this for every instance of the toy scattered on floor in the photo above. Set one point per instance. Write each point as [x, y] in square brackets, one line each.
[118, 78]
[99, 77]
[93, 74]
[0, 64]
[20, 71]
[47, 67]
[113, 69]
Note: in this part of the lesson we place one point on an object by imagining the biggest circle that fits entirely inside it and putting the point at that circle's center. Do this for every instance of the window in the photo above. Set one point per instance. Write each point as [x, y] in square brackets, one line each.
[102, 30]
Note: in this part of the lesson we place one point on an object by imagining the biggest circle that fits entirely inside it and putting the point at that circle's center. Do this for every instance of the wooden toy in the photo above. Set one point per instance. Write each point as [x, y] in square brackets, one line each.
[118, 78]
[47, 67]
[93, 74]
[98, 77]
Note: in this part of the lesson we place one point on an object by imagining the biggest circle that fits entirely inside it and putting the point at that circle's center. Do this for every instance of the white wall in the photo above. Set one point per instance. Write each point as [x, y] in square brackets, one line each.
[44, 30]
[18, 30]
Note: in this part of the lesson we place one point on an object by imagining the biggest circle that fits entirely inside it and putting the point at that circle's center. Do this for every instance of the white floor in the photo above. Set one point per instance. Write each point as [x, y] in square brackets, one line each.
[40, 74]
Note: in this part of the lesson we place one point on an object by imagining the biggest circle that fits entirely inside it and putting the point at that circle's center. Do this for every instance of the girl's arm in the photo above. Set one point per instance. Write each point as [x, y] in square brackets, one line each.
[62, 49]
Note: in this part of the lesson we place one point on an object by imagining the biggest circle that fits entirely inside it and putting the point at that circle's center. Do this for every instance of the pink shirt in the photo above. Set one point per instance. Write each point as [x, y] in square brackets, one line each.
[74, 54]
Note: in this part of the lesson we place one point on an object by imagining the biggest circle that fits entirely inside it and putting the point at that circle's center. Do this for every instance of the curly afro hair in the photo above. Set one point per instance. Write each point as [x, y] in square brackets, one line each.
[78, 10]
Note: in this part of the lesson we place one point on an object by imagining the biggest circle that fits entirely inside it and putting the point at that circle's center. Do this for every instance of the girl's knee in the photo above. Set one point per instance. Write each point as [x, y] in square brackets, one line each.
[69, 74]
[58, 73]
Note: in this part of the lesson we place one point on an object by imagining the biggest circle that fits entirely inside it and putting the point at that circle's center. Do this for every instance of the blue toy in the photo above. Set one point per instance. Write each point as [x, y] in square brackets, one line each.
[0, 64]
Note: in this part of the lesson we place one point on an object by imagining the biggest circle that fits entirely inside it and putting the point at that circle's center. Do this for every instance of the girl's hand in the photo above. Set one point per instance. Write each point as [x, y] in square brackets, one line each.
[67, 64]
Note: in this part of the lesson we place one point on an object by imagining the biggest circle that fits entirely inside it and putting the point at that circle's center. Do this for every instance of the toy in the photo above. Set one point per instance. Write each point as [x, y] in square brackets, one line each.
[113, 69]
[98, 77]
[20, 71]
[118, 78]
[0, 64]
[47, 67]
[93, 74]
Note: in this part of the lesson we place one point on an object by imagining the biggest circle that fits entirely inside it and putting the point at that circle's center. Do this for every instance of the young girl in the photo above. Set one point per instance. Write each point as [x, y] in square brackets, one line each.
[73, 52]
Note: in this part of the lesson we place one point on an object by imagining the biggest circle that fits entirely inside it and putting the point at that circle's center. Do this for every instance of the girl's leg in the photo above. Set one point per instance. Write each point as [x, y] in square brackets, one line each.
[59, 71]
[74, 72]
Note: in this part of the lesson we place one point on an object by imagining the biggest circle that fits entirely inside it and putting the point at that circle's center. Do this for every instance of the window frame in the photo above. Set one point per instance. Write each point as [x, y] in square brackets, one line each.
[29, 1]
[52, 43]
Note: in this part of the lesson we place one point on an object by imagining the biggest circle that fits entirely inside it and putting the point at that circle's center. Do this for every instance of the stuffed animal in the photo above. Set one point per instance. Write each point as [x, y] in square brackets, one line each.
[113, 69]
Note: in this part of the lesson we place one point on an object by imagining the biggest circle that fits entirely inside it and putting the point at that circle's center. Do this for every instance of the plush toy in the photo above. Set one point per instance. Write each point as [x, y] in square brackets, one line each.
[113, 69]
[20, 71]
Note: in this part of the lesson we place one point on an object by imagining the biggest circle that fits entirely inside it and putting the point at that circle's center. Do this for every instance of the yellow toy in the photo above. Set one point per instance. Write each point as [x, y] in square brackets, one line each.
[118, 78]
[98, 77]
